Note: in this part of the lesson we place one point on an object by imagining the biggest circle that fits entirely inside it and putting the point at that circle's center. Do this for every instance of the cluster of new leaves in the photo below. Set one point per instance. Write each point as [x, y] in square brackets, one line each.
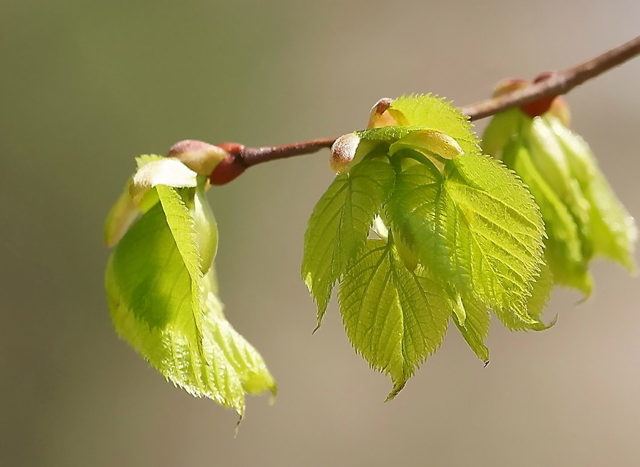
[582, 215]
[420, 229]
[162, 290]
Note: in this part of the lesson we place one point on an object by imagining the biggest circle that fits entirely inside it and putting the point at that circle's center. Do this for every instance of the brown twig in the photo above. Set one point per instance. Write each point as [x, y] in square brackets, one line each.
[557, 83]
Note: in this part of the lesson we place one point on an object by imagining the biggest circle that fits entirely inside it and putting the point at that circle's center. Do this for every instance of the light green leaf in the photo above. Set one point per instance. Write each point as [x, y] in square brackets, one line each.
[386, 135]
[475, 327]
[477, 226]
[120, 217]
[428, 142]
[502, 128]
[613, 230]
[548, 157]
[165, 171]
[497, 231]
[429, 111]
[416, 210]
[340, 223]
[126, 209]
[565, 251]
[241, 355]
[393, 317]
[541, 292]
[163, 306]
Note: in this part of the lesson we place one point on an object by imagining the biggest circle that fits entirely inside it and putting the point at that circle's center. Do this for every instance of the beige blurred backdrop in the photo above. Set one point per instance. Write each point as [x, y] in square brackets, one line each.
[87, 85]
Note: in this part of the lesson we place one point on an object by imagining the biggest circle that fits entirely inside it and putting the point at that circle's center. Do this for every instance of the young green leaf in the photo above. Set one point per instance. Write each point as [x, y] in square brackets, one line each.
[432, 112]
[476, 224]
[612, 228]
[126, 209]
[460, 235]
[475, 327]
[394, 318]
[340, 223]
[541, 293]
[120, 217]
[164, 307]
[582, 215]
[565, 251]
[500, 131]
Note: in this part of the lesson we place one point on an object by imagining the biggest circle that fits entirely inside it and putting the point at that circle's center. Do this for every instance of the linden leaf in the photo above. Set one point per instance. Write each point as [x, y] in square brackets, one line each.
[475, 327]
[164, 307]
[612, 228]
[126, 209]
[429, 111]
[565, 252]
[340, 223]
[476, 225]
[394, 318]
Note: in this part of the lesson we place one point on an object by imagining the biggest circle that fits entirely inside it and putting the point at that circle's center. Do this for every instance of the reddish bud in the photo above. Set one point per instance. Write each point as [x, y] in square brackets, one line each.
[231, 148]
[509, 85]
[560, 109]
[542, 105]
[538, 107]
[199, 156]
[228, 169]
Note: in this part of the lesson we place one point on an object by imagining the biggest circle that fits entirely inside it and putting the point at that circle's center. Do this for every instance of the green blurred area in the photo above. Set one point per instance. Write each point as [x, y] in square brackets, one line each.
[87, 85]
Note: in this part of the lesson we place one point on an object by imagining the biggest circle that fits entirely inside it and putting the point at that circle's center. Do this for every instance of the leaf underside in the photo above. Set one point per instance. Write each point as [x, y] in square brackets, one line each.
[165, 308]
[393, 317]
[340, 223]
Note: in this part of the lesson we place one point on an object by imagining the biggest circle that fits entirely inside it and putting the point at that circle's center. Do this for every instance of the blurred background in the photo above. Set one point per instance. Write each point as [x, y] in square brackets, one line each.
[87, 85]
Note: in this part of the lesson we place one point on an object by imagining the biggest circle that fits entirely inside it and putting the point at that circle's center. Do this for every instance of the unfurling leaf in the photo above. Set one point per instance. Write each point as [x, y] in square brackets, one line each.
[162, 295]
[613, 230]
[460, 236]
[581, 213]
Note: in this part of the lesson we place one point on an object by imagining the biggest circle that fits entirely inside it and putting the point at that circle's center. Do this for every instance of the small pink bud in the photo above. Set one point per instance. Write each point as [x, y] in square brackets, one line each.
[542, 105]
[199, 156]
[227, 170]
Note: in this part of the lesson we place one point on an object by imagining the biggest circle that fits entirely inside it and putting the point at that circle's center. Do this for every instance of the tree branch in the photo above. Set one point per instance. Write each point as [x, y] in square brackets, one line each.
[557, 83]
[560, 82]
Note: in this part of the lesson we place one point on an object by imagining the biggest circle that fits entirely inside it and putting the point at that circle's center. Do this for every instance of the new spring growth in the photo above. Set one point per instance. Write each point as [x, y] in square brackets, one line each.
[583, 216]
[379, 117]
[199, 156]
[343, 152]
[554, 104]
[218, 162]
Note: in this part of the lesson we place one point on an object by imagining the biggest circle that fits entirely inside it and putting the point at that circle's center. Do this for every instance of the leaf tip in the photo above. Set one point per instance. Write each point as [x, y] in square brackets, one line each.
[397, 387]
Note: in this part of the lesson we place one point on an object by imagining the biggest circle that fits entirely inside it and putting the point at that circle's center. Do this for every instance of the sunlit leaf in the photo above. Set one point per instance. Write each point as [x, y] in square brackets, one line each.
[164, 307]
[476, 225]
[475, 327]
[432, 112]
[394, 318]
[340, 223]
